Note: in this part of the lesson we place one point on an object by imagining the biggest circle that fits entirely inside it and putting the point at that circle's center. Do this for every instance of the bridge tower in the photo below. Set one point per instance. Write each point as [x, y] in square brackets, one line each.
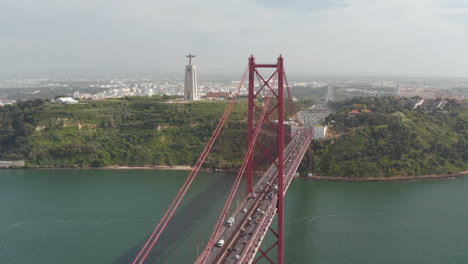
[266, 86]
[266, 112]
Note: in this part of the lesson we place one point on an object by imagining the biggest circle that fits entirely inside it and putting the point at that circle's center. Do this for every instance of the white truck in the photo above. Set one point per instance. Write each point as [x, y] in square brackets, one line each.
[230, 221]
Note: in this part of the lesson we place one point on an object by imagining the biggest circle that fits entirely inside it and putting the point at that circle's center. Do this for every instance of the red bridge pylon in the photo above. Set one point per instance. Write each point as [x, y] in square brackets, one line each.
[275, 119]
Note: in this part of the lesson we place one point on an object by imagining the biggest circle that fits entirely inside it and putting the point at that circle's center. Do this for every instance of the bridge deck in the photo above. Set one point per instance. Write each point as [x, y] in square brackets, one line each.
[256, 212]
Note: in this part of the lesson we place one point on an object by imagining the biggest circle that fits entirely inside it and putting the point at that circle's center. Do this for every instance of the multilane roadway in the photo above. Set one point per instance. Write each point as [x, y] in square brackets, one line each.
[256, 212]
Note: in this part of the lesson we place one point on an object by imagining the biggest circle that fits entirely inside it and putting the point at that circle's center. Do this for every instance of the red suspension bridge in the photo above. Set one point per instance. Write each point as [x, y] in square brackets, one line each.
[237, 238]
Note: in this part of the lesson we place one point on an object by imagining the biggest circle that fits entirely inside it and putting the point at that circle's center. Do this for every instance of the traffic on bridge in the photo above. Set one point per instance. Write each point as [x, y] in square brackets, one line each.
[246, 228]
[236, 238]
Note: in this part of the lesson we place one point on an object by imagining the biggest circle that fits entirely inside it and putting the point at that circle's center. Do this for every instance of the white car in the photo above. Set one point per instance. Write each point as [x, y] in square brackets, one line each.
[220, 243]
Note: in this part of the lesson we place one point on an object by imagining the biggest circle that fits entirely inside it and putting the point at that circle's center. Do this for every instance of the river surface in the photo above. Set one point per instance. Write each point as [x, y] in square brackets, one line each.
[104, 216]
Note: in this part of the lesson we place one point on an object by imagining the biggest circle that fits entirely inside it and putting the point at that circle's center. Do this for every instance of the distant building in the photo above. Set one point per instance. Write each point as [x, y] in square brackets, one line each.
[426, 104]
[217, 95]
[356, 112]
[320, 132]
[67, 100]
[149, 92]
[423, 95]
[190, 85]
[456, 97]
[11, 164]
[6, 102]
[416, 103]
[431, 105]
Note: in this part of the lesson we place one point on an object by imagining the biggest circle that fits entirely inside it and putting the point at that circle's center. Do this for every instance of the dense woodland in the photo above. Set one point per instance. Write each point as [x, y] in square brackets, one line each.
[130, 131]
[391, 140]
[135, 131]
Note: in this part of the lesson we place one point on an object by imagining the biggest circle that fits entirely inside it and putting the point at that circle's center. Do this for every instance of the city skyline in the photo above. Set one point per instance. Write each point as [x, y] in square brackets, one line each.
[330, 37]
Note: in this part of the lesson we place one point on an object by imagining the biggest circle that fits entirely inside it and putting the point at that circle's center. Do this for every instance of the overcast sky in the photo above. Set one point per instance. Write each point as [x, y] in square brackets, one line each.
[365, 37]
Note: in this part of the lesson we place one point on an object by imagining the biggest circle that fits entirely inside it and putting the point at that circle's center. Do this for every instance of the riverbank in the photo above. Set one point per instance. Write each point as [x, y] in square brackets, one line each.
[120, 167]
[112, 167]
[388, 179]
[318, 178]
[117, 167]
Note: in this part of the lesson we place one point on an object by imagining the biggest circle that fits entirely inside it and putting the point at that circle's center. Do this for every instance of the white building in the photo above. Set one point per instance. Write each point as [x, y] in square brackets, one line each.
[67, 100]
[190, 86]
[149, 92]
[320, 132]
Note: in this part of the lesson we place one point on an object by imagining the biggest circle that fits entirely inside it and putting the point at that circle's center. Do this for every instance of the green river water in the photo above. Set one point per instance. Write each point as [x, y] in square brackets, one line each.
[53, 216]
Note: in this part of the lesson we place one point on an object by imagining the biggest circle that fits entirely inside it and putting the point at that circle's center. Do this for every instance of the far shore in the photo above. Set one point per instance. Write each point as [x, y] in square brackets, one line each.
[387, 179]
[121, 167]
[317, 177]
[117, 167]
[113, 167]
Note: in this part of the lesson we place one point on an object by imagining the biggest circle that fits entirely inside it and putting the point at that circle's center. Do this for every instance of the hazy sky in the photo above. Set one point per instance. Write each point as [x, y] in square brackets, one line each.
[390, 37]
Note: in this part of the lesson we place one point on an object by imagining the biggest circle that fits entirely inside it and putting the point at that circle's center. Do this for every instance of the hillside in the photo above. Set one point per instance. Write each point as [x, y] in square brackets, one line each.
[131, 131]
[392, 141]
[388, 140]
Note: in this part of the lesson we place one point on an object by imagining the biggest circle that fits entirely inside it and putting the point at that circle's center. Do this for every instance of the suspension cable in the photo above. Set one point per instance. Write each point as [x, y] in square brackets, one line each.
[144, 252]
[216, 232]
[296, 118]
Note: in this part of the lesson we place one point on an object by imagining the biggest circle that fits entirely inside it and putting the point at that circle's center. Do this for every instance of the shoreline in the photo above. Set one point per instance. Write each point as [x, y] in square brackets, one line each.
[317, 178]
[110, 167]
[122, 167]
[388, 179]
[118, 167]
